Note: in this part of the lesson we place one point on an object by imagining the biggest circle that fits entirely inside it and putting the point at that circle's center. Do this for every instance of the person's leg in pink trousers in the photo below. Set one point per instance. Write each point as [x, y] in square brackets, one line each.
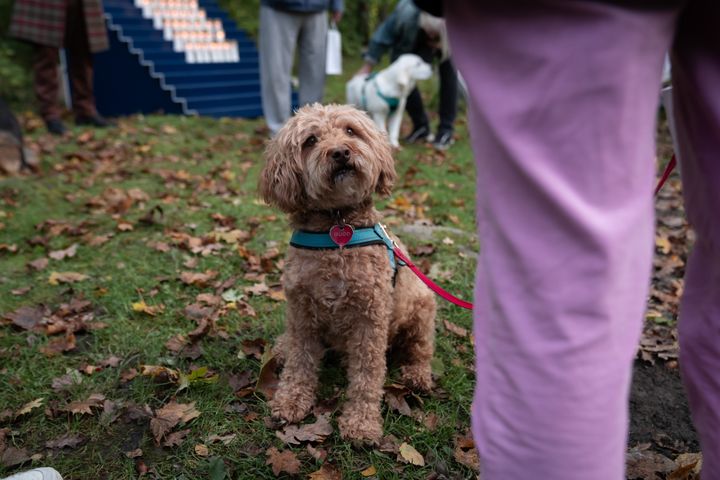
[563, 102]
[696, 102]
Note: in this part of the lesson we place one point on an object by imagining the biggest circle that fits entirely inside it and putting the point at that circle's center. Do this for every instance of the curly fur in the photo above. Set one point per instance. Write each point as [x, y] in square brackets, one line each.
[342, 299]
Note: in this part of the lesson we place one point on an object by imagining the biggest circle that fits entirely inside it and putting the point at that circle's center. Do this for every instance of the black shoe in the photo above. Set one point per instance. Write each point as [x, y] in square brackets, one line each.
[93, 120]
[443, 140]
[55, 126]
[419, 134]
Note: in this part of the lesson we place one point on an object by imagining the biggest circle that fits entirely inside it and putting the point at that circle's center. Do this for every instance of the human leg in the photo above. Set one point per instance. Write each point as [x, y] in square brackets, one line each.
[278, 34]
[696, 104]
[311, 67]
[563, 98]
[80, 61]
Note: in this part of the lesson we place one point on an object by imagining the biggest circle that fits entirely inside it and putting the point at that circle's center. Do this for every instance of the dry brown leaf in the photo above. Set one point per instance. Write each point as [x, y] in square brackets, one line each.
[69, 440]
[39, 264]
[327, 472]
[202, 450]
[14, 456]
[28, 407]
[56, 346]
[257, 289]
[268, 379]
[311, 432]
[135, 453]
[455, 329]
[175, 439]
[646, 464]
[317, 453]
[21, 291]
[160, 372]
[395, 399]
[69, 252]
[151, 310]
[176, 343]
[26, 318]
[408, 454]
[369, 472]
[198, 279]
[285, 461]
[172, 414]
[688, 466]
[466, 454]
[85, 407]
[57, 278]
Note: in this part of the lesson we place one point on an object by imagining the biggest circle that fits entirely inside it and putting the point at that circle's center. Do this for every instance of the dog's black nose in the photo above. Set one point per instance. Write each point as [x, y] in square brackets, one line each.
[340, 155]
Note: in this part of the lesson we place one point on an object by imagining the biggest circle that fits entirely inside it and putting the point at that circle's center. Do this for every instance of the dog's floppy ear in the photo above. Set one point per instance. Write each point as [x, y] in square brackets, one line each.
[386, 178]
[281, 179]
[403, 79]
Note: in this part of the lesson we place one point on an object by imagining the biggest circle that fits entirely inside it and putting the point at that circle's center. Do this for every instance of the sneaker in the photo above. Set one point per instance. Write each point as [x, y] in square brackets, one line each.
[93, 120]
[443, 141]
[419, 134]
[55, 126]
[37, 474]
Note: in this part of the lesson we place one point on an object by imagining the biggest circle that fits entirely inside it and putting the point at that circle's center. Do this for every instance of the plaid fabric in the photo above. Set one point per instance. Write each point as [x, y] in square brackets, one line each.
[43, 22]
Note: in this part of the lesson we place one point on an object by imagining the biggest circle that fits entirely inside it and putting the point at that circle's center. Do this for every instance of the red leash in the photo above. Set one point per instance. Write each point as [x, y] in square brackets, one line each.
[668, 170]
[462, 303]
[433, 286]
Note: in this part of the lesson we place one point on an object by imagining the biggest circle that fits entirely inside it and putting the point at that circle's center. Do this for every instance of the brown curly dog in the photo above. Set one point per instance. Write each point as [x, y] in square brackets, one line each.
[322, 169]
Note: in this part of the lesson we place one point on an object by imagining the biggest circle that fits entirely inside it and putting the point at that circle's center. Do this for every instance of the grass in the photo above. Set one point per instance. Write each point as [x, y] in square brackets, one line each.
[215, 165]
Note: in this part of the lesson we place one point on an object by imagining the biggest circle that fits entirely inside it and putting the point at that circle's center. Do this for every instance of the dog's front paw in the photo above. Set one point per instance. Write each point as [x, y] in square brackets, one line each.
[417, 377]
[363, 428]
[291, 406]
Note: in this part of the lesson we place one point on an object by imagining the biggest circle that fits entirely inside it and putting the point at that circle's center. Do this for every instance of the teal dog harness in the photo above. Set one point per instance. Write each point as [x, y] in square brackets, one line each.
[392, 102]
[361, 237]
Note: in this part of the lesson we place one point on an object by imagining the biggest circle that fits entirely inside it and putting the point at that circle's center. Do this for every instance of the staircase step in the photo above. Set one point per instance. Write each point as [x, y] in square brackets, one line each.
[218, 88]
[248, 111]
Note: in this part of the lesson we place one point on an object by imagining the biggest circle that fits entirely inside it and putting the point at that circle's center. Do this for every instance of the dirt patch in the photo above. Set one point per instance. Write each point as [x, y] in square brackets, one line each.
[659, 412]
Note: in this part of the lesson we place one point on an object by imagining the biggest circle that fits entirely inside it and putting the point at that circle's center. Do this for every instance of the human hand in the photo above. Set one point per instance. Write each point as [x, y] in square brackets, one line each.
[364, 70]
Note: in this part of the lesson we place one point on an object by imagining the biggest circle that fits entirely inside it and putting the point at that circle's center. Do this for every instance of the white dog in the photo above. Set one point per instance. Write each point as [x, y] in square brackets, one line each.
[385, 93]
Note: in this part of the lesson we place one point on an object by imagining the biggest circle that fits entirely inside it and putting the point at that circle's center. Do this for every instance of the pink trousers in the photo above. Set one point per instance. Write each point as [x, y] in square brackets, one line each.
[563, 104]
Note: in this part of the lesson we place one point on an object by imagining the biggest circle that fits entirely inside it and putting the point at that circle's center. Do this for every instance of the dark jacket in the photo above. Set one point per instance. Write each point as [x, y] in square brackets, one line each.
[397, 33]
[304, 6]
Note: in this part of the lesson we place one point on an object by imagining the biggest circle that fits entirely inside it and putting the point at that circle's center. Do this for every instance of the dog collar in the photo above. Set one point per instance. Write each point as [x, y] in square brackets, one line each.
[361, 237]
[392, 102]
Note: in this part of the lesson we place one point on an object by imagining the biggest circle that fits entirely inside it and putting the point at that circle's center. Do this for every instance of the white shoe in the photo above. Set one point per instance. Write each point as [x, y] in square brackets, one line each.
[37, 474]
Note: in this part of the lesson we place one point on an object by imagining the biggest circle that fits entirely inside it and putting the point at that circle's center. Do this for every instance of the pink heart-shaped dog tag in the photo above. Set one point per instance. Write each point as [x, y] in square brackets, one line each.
[341, 235]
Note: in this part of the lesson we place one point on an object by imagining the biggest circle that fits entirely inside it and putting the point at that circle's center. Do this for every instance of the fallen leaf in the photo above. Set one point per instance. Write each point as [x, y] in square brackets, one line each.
[395, 399]
[369, 472]
[134, 453]
[160, 372]
[257, 289]
[202, 450]
[646, 464]
[317, 453]
[39, 264]
[57, 278]
[689, 466]
[172, 414]
[26, 318]
[85, 407]
[408, 454]
[197, 278]
[268, 379]
[465, 453]
[71, 378]
[328, 471]
[12, 457]
[69, 440]
[311, 432]
[57, 346]
[28, 407]
[21, 291]
[176, 343]
[151, 310]
[66, 253]
[455, 329]
[175, 439]
[285, 461]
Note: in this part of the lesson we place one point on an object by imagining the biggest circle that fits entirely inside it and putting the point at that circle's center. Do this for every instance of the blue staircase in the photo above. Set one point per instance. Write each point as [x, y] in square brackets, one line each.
[141, 73]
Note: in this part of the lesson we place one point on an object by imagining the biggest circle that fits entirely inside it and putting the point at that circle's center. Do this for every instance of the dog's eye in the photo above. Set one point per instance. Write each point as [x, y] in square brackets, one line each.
[311, 140]
[350, 131]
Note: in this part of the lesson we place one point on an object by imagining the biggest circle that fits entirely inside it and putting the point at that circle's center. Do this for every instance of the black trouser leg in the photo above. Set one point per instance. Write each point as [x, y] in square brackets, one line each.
[448, 96]
[416, 110]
